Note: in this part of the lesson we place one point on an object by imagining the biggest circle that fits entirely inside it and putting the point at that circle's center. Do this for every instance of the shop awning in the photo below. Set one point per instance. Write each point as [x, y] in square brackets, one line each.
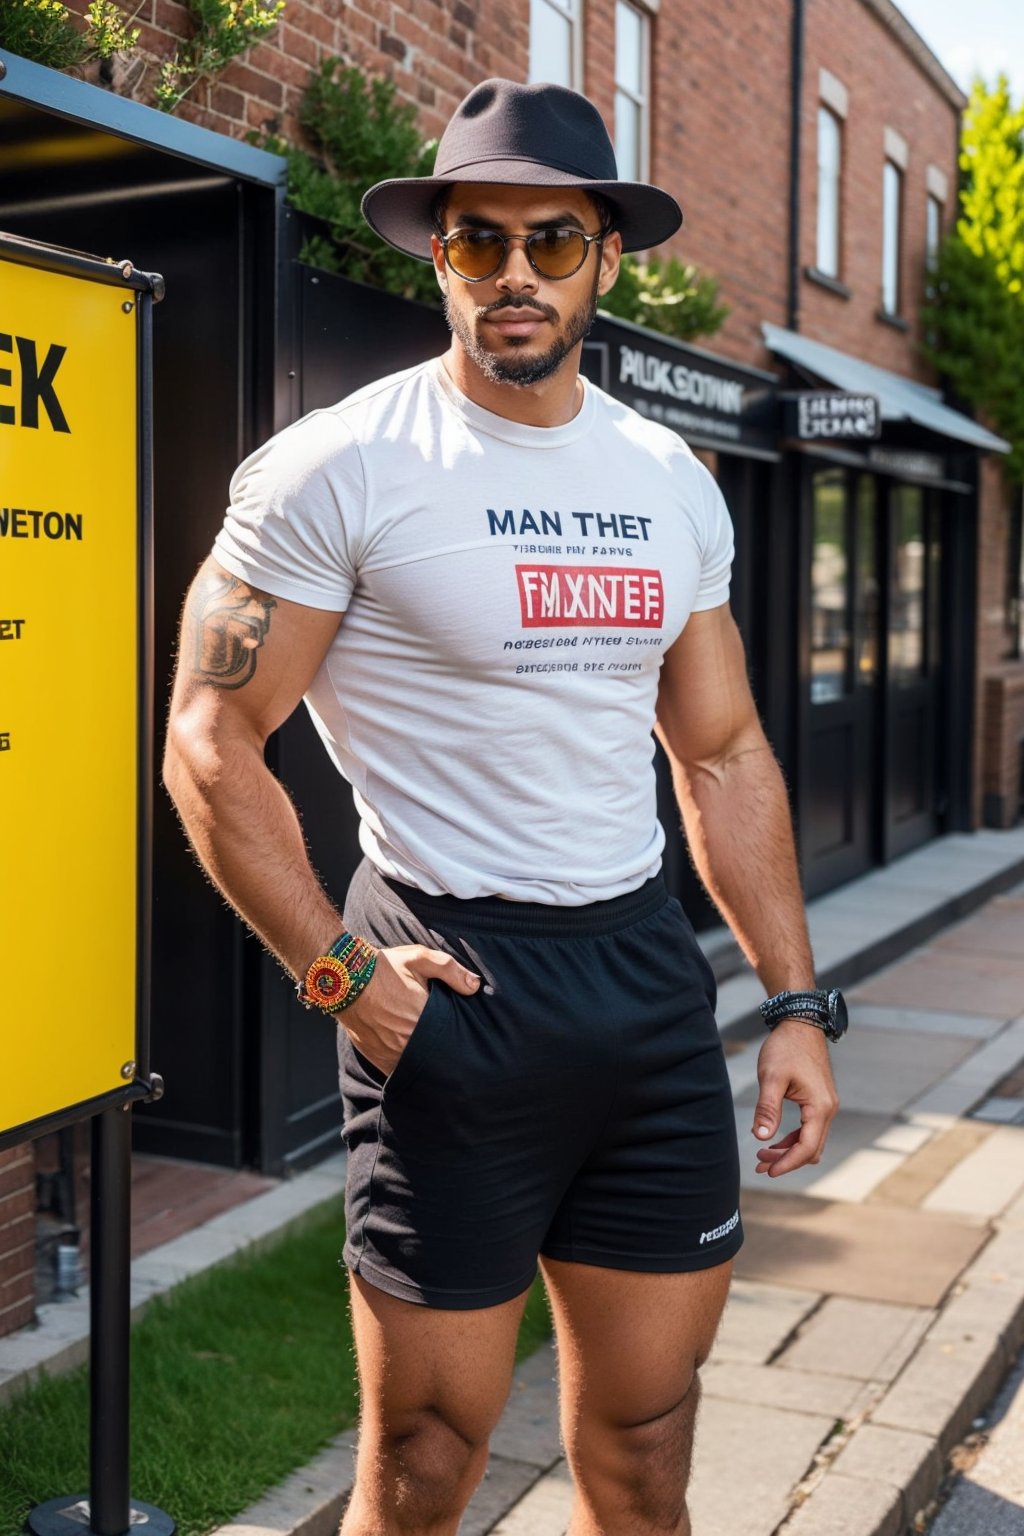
[900, 399]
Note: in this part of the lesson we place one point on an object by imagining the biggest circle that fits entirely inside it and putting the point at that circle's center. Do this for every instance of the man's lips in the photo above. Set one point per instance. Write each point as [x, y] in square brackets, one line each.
[516, 322]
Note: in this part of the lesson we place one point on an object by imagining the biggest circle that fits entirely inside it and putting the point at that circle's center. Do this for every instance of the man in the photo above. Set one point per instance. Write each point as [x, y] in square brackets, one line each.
[490, 581]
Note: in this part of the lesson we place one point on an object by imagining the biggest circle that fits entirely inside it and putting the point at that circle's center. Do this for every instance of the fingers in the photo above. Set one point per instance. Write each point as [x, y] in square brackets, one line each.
[768, 1111]
[800, 1148]
[434, 962]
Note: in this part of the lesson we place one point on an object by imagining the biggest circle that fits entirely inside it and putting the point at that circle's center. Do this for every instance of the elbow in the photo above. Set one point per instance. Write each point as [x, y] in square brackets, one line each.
[191, 763]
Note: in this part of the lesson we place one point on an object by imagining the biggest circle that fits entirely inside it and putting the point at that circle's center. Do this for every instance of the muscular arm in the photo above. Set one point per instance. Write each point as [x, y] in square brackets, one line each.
[244, 661]
[736, 813]
[733, 800]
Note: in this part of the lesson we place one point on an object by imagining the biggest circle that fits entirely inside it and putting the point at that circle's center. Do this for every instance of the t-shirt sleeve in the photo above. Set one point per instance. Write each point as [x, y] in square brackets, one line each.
[718, 548]
[295, 522]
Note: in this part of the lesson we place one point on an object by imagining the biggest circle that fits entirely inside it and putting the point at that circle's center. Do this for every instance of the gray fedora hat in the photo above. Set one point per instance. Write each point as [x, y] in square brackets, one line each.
[506, 134]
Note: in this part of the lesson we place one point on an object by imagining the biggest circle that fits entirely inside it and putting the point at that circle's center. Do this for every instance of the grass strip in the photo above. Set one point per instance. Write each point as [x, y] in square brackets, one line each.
[239, 1376]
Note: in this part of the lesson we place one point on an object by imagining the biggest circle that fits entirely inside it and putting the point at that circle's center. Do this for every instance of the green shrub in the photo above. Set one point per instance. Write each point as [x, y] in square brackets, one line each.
[43, 32]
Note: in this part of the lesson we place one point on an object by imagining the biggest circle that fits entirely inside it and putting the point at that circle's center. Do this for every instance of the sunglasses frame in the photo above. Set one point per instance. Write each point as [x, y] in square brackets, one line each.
[537, 234]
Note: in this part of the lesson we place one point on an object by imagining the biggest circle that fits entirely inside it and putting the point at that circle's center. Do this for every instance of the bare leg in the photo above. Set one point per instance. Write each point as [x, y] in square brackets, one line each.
[629, 1349]
[432, 1387]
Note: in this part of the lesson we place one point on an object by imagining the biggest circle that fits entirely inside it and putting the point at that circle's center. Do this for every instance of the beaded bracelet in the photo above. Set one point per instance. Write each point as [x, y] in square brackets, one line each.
[336, 979]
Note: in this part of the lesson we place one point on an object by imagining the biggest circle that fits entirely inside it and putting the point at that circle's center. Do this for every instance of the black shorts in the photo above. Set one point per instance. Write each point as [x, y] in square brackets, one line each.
[577, 1105]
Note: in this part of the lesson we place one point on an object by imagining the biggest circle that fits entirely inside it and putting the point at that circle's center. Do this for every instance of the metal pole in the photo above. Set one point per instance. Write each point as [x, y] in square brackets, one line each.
[110, 1268]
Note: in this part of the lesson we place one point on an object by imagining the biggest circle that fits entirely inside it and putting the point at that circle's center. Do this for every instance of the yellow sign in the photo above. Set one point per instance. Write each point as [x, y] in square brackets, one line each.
[68, 689]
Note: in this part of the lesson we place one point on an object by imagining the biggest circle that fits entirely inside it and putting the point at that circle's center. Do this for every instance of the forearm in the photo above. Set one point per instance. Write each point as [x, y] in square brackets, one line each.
[738, 824]
[246, 835]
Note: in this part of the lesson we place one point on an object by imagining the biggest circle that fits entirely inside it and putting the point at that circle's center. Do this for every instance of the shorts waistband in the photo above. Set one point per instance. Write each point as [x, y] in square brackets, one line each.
[530, 919]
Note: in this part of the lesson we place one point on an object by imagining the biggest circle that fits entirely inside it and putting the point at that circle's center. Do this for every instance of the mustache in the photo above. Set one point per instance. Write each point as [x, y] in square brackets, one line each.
[518, 301]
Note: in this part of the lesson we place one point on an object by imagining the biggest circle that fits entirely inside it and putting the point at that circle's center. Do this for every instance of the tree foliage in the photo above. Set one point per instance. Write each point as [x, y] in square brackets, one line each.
[975, 315]
[362, 133]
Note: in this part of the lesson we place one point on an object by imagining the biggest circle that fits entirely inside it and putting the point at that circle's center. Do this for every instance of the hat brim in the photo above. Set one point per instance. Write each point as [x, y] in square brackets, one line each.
[400, 210]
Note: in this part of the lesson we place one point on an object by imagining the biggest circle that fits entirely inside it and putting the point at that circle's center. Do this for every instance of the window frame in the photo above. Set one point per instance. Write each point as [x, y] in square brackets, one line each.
[572, 12]
[642, 101]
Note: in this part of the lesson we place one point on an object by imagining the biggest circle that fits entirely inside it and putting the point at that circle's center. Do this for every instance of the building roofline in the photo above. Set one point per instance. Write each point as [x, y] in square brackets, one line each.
[893, 18]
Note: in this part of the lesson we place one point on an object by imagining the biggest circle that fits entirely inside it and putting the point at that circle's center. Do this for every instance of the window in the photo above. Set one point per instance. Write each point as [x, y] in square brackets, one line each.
[830, 160]
[631, 116]
[830, 588]
[933, 229]
[892, 214]
[554, 42]
[907, 621]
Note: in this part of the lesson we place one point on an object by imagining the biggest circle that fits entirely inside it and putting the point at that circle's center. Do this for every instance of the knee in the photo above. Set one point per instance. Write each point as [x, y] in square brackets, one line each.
[430, 1465]
[646, 1463]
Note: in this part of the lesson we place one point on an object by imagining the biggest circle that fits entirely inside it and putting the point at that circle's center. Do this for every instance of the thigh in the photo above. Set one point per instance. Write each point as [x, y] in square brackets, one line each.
[629, 1342]
[415, 1360]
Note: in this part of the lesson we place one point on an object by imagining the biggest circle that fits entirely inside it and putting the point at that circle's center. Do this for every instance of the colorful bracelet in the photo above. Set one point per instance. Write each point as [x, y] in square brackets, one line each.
[336, 979]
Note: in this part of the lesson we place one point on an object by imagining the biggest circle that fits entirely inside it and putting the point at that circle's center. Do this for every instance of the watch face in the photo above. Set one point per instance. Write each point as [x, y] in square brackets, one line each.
[839, 1019]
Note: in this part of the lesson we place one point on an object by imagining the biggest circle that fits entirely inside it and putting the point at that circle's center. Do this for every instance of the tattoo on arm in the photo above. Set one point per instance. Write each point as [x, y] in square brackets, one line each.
[230, 623]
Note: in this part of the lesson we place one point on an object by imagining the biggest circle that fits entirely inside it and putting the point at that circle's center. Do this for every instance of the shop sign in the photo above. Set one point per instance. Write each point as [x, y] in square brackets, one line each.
[911, 463]
[70, 689]
[829, 415]
[709, 401]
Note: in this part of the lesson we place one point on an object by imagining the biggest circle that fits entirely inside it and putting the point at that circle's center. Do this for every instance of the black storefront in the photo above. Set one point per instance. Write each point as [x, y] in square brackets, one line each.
[248, 339]
[883, 516]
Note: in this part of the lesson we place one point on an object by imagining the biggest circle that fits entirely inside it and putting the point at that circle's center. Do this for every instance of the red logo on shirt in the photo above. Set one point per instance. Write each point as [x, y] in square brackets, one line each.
[603, 595]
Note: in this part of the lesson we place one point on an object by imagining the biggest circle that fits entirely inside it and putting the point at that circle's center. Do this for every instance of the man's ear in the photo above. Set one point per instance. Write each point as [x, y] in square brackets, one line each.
[440, 265]
[611, 255]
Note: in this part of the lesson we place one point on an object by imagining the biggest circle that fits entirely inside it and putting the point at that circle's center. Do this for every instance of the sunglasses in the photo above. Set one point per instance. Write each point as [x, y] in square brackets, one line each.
[476, 254]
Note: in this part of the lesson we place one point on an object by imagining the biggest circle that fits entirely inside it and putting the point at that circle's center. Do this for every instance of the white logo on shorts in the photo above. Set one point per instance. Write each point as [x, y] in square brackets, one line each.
[722, 1231]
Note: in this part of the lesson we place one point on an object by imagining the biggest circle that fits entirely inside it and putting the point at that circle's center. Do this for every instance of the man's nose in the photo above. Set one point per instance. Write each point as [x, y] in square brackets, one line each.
[516, 274]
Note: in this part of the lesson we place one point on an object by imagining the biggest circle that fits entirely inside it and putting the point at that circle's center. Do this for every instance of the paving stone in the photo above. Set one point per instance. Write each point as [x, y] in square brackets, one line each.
[528, 1428]
[878, 1252]
[859, 1175]
[868, 1340]
[847, 1506]
[544, 1510]
[890, 1067]
[925, 1169]
[958, 982]
[908, 1462]
[943, 1388]
[975, 1077]
[799, 1391]
[989, 1498]
[921, 1021]
[998, 929]
[747, 1461]
[758, 1319]
[986, 1181]
[504, 1484]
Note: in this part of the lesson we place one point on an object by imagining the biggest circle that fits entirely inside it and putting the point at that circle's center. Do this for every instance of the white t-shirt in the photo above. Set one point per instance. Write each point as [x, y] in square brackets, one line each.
[509, 593]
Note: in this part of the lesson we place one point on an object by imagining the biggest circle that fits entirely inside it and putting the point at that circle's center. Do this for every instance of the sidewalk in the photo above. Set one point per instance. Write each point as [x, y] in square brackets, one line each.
[879, 1298]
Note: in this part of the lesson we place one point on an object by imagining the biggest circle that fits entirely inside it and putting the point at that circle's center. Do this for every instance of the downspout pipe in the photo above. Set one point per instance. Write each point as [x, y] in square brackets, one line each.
[796, 79]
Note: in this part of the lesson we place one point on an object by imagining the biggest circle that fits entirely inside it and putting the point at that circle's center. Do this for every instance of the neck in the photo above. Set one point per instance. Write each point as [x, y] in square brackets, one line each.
[551, 403]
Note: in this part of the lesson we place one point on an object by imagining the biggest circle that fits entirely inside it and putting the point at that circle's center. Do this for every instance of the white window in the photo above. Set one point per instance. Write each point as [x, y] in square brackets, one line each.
[555, 42]
[933, 229]
[892, 215]
[632, 51]
[830, 166]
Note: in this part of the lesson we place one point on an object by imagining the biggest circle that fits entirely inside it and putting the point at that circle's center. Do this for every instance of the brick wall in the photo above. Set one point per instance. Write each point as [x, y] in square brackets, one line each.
[887, 88]
[434, 50]
[17, 1237]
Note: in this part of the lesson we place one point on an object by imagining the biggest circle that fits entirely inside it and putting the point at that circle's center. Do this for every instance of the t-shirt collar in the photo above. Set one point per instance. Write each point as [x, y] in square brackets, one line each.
[500, 426]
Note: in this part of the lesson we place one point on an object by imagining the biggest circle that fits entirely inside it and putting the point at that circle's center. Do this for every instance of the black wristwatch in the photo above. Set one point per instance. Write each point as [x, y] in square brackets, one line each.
[825, 1010]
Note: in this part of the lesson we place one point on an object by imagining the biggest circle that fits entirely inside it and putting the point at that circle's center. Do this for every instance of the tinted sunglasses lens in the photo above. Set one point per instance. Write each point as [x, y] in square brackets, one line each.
[557, 252]
[475, 253]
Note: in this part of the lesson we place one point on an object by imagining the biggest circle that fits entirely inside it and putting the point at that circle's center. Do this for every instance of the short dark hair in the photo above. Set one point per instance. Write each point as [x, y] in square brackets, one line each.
[439, 210]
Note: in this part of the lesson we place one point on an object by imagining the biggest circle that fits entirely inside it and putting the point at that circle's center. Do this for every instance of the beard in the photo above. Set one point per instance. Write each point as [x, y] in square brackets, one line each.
[508, 367]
